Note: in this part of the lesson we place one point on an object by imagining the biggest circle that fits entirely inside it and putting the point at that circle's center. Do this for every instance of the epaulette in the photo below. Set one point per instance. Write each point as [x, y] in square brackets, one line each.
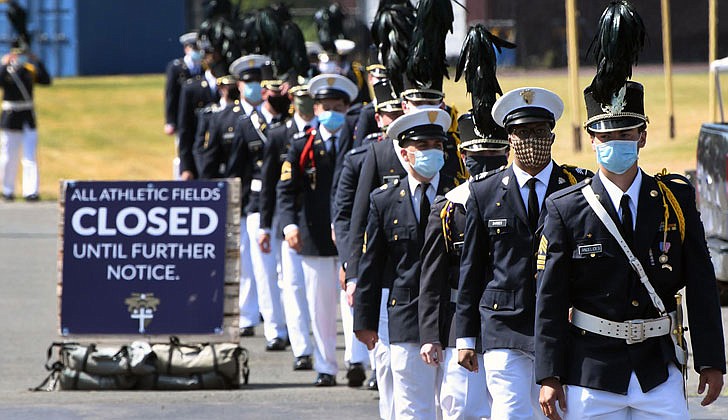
[570, 189]
[358, 150]
[299, 136]
[371, 136]
[483, 175]
[392, 183]
[211, 108]
[577, 170]
[674, 178]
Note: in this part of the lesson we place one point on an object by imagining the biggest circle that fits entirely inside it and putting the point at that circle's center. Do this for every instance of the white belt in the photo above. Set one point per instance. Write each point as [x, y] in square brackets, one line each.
[17, 105]
[634, 330]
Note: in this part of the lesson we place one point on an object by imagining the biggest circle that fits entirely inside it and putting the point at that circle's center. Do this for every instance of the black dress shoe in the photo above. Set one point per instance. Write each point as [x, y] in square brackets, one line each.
[372, 382]
[356, 375]
[303, 363]
[324, 379]
[247, 331]
[276, 344]
[32, 198]
[8, 198]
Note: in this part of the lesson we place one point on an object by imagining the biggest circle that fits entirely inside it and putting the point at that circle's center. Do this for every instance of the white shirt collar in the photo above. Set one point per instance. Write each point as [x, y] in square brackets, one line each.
[247, 107]
[522, 176]
[413, 183]
[325, 134]
[301, 123]
[616, 193]
[266, 114]
[211, 80]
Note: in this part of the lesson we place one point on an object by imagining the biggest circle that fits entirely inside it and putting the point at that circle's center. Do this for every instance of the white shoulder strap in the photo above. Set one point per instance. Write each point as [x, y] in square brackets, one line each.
[601, 212]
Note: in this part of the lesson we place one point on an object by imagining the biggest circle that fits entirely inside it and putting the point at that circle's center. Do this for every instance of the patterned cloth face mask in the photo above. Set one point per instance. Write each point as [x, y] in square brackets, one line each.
[532, 152]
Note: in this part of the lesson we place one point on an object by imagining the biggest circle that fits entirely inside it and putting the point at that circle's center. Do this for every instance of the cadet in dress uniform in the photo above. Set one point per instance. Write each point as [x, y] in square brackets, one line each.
[610, 372]
[216, 131]
[614, 254]
[178, 71]
[388, 108]
[496, 294]
[463, 394]
[197, 93]
[293, 288]
[20, 70]
[306, 193]
[365, 123]
[258, 84]
[395, 230]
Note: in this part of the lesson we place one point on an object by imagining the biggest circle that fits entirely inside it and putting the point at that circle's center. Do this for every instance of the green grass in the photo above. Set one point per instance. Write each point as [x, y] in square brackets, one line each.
[110, 128]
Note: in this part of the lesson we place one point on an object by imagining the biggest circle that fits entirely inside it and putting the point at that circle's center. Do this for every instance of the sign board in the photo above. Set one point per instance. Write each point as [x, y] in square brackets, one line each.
[144, 257]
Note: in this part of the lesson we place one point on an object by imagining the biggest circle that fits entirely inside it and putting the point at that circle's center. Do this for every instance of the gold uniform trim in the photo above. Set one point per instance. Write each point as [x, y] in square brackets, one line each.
[286, 171]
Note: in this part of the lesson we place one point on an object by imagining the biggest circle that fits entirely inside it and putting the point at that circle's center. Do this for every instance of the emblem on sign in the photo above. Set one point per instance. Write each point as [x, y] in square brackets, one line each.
[142, 307]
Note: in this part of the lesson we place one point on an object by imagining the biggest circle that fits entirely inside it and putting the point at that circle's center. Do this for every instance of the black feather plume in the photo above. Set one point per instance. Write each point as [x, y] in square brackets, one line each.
[19, 20]
[218, 31]
[478, 63]
[329, 26]
[427, 63]
[392, 30]
[290, 52]
[616, 48]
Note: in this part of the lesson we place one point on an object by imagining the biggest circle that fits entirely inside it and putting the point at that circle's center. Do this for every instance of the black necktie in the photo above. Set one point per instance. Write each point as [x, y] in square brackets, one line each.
[424, 207]
[627, 228]
[332, 149]
[532, 205]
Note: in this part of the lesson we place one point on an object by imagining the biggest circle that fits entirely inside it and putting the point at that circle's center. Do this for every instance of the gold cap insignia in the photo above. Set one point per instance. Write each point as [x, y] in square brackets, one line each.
[330, 81]
[432, 115]
[527, 95]
[251, 62]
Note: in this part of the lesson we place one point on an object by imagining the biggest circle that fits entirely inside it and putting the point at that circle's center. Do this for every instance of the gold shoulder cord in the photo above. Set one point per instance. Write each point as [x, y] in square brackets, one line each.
[356, 68]
[454, 131]
[445, 219]
[668, 196]
[569, 175]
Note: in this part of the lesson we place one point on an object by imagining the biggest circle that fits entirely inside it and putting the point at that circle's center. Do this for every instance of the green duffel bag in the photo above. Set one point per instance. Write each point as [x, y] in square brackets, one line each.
[134, 359]
[70, 379]
[177, 359]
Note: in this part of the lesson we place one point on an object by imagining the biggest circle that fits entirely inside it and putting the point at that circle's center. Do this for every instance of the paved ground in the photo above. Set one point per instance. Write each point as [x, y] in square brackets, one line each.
[28, 306]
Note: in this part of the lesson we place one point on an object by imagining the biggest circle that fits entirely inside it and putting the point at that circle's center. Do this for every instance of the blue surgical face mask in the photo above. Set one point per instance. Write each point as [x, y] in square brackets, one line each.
[617, 156]
[253, 92]
[196, 56]
[21, 59]
[332, 120]
[429, 162]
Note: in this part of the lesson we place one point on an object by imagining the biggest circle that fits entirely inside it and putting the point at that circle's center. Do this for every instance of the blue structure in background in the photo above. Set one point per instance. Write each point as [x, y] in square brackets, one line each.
[95, 37]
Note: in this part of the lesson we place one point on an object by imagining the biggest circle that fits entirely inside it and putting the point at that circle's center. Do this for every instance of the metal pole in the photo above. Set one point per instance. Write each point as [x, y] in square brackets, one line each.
[573, 62]
[667, 61]
[712, 53]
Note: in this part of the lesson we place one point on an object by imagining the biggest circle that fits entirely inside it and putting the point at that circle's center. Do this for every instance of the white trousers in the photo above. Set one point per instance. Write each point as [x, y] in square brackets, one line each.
[510, 375]
[248, 300]
[295, 304]
[322, 285]
[463, 395]
[664, 402]
[354, 350]
[11, 143]
[266, 281]
[385, 383]
[175, 161]
[415, 383]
